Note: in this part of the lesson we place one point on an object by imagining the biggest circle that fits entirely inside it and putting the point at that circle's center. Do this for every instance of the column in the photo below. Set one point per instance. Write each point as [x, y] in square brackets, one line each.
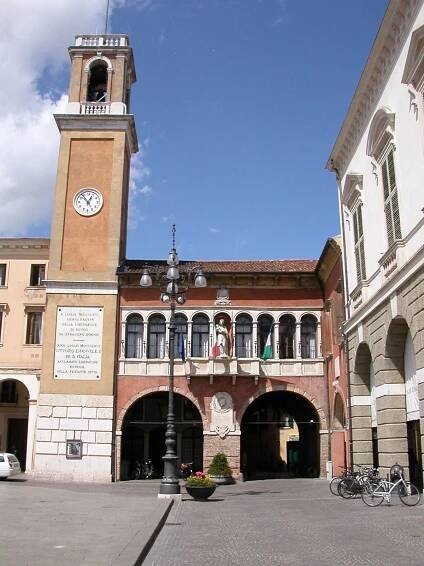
[123, 337]
[298, 353]
[145, 338]
[32, 420]
[233, 353]
[276, 341]
[189, 338]
[318, 353]
[255, 353]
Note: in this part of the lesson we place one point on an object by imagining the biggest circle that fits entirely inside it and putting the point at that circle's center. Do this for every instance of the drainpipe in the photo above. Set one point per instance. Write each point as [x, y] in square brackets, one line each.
[346, 301]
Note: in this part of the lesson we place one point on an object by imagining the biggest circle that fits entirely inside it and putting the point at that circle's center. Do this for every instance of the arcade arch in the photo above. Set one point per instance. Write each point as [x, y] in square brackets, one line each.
[280, 435]
[143, 433]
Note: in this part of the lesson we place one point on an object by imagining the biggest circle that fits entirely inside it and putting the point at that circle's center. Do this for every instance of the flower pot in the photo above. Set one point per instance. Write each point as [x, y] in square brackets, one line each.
[222, 480]
[200, 492]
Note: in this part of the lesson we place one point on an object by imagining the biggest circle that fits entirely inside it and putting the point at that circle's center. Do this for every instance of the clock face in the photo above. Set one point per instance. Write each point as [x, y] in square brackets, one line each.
[88, 201]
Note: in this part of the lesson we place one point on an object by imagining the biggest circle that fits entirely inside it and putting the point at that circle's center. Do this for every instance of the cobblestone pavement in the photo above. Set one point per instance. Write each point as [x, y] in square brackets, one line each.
[281, 522]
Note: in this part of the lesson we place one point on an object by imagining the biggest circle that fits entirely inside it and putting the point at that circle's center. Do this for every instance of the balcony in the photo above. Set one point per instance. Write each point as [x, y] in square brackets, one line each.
[232, 367]
[392, 259]
[109, 40]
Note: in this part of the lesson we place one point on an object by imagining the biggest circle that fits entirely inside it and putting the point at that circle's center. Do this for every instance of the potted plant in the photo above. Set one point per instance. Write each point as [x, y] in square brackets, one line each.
[200, 486]
[219, 470]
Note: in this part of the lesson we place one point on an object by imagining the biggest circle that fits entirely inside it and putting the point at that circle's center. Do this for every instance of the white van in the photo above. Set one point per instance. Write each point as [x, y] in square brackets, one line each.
[9, 465]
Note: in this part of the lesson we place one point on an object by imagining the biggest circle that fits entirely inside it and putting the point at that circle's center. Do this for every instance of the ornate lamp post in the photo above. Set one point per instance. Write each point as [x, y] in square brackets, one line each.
[172, 294]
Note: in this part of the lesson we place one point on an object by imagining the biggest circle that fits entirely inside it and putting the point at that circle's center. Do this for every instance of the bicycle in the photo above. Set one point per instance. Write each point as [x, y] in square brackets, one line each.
[357, 482]
[408, 493]
[334, 483]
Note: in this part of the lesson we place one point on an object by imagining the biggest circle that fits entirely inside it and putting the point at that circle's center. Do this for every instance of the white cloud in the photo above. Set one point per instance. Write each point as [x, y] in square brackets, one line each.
[34, 36]
[213, 230]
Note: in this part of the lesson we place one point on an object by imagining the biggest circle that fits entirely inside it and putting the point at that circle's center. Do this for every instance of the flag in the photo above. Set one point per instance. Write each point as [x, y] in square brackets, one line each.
[267, 353]
[181, 348]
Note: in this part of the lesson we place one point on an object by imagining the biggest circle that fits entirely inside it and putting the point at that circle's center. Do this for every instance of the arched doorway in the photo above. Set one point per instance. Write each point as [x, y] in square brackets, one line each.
[14, 407]
[280, 437]
[143, 433]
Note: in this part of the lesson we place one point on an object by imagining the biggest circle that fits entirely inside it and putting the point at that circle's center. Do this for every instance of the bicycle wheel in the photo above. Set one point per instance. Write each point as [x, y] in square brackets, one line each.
[334, 484]
[409, 494]
[371, 498]
[345, 488]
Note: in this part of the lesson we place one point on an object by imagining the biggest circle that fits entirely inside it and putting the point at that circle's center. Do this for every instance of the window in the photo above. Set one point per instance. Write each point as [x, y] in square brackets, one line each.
[134, 337]
[265, 326]
[156, 343]
[97, 84]
[8, 393]
[180, 334]
[243, 336]
[287, 336]
[391, 202]
[358, 235]
[1, 325]
[38, 274]
[33, 330]
[308, 336]
[200, 337]
[2, 274]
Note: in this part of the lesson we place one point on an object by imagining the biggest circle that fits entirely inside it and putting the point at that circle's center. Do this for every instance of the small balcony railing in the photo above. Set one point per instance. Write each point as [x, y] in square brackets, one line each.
[109, 40]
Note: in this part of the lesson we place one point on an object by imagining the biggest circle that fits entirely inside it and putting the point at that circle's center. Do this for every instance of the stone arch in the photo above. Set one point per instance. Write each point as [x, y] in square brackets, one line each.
[281, 433]
[283, 387]
[31, 383]
[98, 58]
[159, 389]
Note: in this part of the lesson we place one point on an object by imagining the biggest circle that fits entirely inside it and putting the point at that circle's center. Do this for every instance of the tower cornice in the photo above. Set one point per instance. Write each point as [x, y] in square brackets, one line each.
[108, 123]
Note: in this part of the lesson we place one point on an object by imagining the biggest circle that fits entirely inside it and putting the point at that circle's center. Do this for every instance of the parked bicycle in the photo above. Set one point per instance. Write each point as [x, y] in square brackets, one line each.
[143, 471]
[334, 483]
[408, 492]
[355, 483]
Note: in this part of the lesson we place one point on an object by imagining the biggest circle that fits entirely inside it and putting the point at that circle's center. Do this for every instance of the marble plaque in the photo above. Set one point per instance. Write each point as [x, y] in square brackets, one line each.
[78, 347]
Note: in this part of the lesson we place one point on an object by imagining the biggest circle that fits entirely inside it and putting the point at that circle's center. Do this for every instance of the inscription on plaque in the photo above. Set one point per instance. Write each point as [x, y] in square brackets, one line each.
[78, 348]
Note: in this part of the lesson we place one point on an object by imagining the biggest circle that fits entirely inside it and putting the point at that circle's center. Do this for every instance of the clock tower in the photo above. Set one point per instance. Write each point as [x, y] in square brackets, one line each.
[88, 238]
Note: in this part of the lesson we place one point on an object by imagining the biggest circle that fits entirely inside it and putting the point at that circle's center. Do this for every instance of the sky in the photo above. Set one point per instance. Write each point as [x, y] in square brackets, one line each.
[237, 106]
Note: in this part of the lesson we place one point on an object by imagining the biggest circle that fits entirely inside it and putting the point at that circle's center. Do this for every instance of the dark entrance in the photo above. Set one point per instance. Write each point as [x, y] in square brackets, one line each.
[415, 454]
[17, 439]
[143, 433]
[280, 437]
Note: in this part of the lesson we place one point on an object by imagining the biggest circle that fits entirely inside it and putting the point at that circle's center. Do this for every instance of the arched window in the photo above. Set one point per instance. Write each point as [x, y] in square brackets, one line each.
[180, 343]
[97, 82]
[200, 336]
[287, 337]
[265, 337]
[156, 331]
[308, 336]
[380, 146]
[243, 336]
[134, 336]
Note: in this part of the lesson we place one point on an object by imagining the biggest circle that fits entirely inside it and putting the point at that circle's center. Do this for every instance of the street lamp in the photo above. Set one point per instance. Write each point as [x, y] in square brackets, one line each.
[173, 293]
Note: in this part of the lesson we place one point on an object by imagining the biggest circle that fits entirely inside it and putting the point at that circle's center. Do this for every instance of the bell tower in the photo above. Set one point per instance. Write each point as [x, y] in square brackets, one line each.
[88, 238]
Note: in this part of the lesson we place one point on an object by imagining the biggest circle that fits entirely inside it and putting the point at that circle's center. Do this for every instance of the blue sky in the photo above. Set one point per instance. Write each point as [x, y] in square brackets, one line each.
[237, 106]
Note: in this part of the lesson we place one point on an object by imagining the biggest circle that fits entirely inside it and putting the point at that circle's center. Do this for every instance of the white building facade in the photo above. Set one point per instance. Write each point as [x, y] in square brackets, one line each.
[378, 159]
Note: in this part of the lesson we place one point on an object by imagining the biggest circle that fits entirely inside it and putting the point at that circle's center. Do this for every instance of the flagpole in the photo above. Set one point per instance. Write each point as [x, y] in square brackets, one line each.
[107, 16]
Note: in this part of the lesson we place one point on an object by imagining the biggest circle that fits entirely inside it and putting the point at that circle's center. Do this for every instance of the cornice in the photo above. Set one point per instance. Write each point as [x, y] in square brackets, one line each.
[106, 123]
[395, 27]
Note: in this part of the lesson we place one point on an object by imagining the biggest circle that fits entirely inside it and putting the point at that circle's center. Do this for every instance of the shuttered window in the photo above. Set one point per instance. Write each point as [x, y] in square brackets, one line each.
[358, 233]
[391, 201]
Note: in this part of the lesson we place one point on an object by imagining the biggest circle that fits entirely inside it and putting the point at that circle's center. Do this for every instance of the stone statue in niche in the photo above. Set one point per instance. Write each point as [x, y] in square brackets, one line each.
[222, 338]
[222, 414]
[222, 296]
